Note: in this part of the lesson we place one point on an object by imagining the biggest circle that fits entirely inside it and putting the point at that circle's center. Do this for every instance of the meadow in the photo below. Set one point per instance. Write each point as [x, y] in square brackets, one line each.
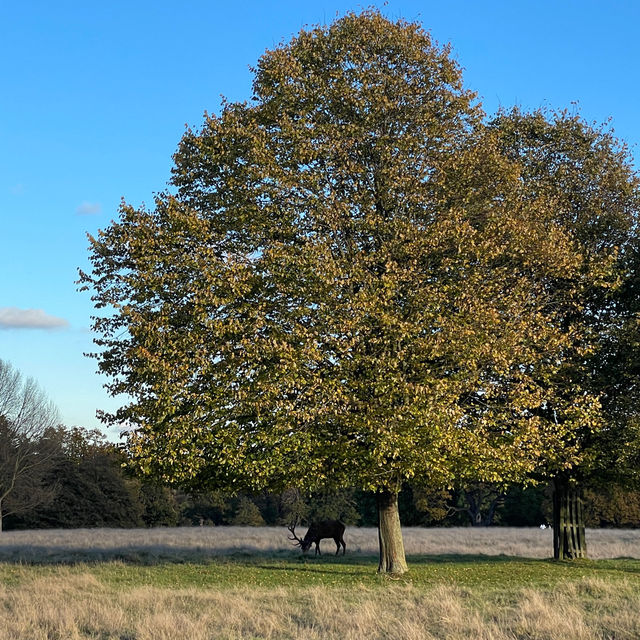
[241, 582]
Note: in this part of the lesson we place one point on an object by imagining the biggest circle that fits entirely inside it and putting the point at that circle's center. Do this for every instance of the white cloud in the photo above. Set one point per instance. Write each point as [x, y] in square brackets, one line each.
[88, 208]
[14, 318]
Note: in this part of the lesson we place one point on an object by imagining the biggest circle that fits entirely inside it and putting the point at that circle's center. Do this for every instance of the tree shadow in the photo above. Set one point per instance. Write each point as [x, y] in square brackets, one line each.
[352, 564]
[30, 554]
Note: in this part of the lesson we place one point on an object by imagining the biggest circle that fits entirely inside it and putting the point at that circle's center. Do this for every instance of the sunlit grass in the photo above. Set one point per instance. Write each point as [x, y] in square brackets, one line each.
[230, 572]
[239, 597]
[189, 588]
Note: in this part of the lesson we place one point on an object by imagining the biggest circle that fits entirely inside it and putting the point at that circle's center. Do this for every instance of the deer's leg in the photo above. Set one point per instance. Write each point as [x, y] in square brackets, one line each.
[318, 553]
[337, 541]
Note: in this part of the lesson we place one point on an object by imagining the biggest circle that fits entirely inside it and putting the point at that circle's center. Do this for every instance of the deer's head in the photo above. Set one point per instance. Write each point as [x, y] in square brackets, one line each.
[305, 544]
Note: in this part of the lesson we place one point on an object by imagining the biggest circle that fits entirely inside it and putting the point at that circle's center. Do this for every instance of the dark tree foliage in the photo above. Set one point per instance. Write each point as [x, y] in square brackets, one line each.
[479, 502]
[589, 175]
[526, 506]
[92, 490]
[204, 508]
[247, 513]
[612, 505]
[161, 508]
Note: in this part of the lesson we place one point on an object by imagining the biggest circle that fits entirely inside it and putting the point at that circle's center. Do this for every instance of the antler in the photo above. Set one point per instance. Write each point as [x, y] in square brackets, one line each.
[292, 528]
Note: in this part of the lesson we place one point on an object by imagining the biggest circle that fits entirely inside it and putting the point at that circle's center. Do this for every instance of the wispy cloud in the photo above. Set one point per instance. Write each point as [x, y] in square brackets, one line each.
[88, 208]
[14, 318]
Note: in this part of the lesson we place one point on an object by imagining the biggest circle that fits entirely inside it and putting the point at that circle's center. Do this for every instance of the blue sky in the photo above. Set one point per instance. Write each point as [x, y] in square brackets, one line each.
[95, 97]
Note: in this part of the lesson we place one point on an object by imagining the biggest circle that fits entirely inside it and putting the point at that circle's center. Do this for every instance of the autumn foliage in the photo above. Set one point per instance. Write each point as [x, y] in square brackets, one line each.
[353, 284]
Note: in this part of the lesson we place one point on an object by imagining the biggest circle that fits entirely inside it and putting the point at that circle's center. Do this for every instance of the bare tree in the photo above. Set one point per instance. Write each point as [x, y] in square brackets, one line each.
[27, 418]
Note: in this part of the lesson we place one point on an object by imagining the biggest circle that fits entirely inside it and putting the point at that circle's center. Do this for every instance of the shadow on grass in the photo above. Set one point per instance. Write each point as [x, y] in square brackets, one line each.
[452, 567]
[159, 554]
[458, 567]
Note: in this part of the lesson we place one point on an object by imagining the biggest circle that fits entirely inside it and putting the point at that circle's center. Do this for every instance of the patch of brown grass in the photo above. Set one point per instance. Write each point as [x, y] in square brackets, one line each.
[77, 606]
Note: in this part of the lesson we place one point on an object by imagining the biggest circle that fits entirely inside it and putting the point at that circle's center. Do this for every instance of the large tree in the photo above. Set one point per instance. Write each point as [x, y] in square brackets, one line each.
[588, 174]
[349, 287]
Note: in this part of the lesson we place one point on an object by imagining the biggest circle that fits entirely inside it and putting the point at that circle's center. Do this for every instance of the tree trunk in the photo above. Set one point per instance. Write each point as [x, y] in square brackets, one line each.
[392, 559]
[568, 521]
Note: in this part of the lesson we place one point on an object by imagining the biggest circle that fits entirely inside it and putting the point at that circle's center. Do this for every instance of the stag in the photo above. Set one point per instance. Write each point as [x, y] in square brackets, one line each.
[318, 531]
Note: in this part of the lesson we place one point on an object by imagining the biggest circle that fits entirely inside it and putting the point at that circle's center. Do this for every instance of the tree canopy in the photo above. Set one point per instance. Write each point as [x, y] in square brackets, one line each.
[352, 283]
[590, 176]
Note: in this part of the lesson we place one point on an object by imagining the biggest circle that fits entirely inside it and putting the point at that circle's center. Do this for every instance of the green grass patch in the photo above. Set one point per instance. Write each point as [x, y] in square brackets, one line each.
[479, 573]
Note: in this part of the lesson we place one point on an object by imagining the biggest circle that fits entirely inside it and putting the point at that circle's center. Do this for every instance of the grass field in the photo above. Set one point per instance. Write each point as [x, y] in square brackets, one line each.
[233, 583]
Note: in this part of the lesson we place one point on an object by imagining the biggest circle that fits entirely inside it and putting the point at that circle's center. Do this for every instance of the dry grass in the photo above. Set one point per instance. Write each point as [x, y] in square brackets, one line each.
[145, 592]
[193, 543]
[71, 606]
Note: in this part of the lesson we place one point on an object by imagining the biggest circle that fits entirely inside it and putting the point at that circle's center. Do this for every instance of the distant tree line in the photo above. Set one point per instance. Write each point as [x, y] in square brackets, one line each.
[52, 476]
[86, 484]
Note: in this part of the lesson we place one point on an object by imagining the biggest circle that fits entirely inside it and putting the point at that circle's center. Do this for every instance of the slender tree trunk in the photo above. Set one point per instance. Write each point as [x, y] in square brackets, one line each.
[568, 521]
[392, 558]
